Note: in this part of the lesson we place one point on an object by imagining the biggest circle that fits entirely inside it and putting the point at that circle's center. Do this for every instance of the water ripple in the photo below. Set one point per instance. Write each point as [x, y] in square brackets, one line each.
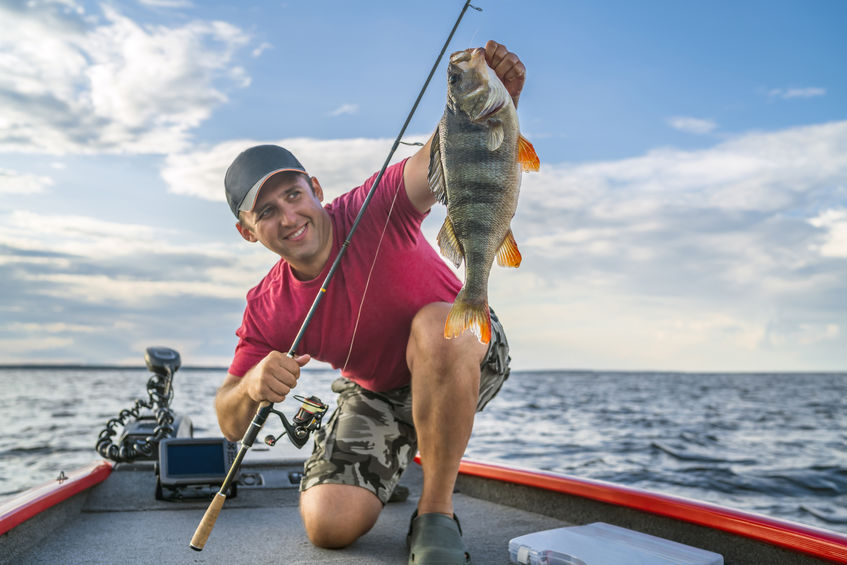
[769, 443]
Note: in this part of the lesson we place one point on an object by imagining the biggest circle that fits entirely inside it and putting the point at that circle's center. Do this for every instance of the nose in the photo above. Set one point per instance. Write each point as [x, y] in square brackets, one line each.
[288, 215]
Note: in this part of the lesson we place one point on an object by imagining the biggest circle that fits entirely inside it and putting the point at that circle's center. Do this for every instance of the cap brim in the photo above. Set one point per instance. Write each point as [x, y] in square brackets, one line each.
[252, 195]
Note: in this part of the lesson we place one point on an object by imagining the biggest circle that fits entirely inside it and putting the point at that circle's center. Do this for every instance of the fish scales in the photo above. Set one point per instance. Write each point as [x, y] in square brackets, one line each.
[475, 168]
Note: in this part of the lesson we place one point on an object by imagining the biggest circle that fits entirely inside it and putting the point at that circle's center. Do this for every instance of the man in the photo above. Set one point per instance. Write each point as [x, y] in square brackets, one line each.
[405, 386]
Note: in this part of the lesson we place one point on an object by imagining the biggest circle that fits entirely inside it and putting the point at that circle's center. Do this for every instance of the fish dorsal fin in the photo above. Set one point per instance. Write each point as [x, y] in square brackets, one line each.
[495, 134]
[508, 254]
[526, 155]
[437, 180]
[449, 245]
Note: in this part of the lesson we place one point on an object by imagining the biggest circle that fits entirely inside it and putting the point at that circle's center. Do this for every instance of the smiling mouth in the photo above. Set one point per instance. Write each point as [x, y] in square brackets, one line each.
[297, 233]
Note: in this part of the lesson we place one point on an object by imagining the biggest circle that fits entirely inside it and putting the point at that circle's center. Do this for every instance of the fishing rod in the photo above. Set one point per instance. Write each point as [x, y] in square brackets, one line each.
[312, 410]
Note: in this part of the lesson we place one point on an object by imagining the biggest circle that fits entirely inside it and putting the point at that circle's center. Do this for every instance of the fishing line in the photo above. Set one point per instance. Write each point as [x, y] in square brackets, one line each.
[370, 273]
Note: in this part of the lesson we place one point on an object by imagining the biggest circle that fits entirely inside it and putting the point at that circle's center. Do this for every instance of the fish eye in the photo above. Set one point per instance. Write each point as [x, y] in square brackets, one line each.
[454, 78]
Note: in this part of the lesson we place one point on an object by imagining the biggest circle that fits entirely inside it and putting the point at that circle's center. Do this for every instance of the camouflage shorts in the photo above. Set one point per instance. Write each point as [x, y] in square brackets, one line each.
[370, 438]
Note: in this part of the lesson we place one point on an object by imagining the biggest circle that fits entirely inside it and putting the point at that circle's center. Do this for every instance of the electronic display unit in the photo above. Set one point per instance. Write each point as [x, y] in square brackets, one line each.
[195, 461]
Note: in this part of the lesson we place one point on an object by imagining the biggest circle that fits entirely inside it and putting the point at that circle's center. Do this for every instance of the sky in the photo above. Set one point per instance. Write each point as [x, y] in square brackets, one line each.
[690, 213]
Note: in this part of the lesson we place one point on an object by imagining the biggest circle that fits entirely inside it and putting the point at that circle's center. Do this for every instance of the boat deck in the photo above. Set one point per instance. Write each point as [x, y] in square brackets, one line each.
[119, 521]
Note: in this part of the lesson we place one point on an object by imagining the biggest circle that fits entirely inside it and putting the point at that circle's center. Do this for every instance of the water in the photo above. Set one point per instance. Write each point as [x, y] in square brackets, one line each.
[775, 444]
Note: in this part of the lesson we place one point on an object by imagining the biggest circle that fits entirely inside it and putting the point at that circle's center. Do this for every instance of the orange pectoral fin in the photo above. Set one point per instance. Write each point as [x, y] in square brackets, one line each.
[526, 155]
[508, 254]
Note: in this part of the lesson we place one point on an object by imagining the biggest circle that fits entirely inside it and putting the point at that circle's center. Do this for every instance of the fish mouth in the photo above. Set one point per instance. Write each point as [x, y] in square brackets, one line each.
[470, 56]
[461, 56]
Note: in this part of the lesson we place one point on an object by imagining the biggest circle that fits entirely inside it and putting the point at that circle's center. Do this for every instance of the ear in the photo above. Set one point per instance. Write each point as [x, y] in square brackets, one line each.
[316, 187]
[246, 233]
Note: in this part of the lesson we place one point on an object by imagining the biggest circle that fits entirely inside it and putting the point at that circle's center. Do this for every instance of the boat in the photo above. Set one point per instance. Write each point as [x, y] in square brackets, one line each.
[108, 513]
[144, 511]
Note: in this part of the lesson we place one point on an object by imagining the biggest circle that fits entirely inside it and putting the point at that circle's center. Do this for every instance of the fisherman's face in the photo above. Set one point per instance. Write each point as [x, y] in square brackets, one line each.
[290, 220]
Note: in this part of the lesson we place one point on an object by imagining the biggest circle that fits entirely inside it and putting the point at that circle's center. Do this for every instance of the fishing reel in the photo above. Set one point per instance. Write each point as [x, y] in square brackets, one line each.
[307, 420]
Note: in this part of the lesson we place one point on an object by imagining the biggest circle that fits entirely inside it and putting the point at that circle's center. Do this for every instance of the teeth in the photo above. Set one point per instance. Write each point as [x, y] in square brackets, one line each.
[297, 233]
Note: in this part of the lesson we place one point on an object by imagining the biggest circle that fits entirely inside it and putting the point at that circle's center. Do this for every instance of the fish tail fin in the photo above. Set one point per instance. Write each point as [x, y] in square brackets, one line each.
[465, 316]
[508, 255]
[526, 155]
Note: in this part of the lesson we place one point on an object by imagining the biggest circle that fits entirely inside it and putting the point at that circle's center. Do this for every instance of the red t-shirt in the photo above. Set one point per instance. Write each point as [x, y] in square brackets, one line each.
[407, 275]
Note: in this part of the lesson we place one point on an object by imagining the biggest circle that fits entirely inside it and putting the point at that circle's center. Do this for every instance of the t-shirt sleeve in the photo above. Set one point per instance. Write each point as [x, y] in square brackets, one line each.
[251, 347]
[389, 196]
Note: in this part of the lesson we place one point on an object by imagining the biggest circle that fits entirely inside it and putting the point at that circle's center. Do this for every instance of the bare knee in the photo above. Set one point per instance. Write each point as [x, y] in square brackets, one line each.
[337, 515]
[428, 350]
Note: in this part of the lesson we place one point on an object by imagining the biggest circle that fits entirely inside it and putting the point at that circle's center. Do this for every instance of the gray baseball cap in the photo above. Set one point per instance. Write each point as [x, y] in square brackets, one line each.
[251, 170]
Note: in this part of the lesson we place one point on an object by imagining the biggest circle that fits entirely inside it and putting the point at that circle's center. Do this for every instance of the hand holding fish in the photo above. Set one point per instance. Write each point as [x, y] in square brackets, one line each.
[508, 66]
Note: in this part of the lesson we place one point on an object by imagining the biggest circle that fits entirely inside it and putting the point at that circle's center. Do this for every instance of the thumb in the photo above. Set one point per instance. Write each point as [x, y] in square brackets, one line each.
[303, 359]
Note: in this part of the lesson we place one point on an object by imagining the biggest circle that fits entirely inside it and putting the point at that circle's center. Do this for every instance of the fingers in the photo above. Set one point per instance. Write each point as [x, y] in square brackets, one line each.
[507, 65]
[503, 61]
[274, 376]
[495, 54]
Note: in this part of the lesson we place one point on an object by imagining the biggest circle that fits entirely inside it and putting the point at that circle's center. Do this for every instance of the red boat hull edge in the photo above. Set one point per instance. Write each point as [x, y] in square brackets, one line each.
[30, 503]
[823, 544]
[819, 543]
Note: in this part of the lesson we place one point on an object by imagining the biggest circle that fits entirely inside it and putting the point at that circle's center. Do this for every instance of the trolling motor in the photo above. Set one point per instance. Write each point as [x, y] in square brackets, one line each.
[307, 420]
[142, 433]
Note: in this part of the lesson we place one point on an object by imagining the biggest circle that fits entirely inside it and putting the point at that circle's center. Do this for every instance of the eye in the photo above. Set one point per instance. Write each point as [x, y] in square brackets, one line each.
[453, 78]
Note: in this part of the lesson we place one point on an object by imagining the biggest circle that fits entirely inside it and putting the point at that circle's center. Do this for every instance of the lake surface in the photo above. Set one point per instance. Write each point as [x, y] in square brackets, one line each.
[775, 444]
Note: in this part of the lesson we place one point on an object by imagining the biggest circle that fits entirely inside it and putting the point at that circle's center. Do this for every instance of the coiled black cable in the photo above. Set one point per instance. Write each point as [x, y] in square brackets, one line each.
[160, 394]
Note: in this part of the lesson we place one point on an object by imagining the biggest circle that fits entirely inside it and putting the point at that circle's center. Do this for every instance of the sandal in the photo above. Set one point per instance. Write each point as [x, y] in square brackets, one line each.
[436, 538]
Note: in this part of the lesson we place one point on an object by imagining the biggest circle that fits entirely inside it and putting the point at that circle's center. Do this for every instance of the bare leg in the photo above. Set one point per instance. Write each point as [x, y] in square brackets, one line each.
[337, 515]
[445, 388]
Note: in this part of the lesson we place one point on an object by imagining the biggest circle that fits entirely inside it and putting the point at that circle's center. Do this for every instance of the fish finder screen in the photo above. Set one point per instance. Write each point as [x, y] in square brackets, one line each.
[199, 459]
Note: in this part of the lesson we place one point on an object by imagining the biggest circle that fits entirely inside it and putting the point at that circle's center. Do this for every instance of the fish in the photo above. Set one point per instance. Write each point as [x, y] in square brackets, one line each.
[477, 156]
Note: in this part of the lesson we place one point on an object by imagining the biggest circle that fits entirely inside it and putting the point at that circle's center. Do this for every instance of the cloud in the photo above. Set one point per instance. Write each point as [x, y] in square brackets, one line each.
[728, 257]
[692, 125]
[339, 164]
[750, 233]
[789, 93]
[91, 260]
[13, 182]
[82, 289]
[834, 223]
[348, 109]
[167, 3]
[261, 49]
[72, 82]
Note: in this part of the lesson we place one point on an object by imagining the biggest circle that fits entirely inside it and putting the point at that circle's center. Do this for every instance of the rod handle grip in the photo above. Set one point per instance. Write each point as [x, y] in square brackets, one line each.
[201, 535]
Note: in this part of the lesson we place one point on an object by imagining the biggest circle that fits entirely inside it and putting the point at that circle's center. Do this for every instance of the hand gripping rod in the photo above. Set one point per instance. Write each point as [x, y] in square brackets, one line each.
[204, 529]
